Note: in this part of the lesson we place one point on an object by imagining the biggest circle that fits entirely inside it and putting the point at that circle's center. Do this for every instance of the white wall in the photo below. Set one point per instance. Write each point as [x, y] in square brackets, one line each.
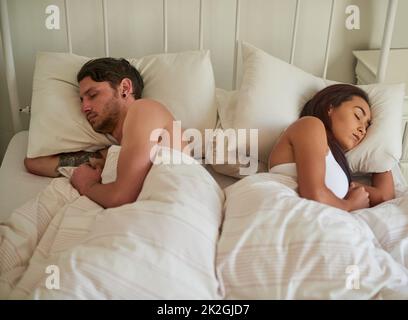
[135, 29]
[373, 14]
[5, 117]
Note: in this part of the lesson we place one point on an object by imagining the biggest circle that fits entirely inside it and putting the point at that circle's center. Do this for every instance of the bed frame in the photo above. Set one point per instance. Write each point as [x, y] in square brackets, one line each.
[16, 108]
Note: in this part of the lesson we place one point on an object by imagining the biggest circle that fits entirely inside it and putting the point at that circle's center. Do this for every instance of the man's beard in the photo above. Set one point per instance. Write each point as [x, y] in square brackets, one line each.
[111, 116]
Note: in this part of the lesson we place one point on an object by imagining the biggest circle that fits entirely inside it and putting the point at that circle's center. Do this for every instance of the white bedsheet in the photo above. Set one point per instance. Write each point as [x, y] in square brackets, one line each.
[17, 186]
[162, 246]
[276, 245]
[273, 244]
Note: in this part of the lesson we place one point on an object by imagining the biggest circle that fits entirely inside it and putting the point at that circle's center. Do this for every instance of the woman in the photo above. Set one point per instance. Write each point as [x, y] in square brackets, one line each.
[312, 149]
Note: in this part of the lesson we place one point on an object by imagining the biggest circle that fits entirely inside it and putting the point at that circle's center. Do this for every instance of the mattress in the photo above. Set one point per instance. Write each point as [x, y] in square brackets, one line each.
[17, 186]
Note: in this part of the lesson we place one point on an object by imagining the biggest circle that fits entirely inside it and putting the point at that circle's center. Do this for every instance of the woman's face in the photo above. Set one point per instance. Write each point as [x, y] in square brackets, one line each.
[349, 122]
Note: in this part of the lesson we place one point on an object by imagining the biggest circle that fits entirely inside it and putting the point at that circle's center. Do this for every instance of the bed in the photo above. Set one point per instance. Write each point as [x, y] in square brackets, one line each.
[17, 186]
[198, 230]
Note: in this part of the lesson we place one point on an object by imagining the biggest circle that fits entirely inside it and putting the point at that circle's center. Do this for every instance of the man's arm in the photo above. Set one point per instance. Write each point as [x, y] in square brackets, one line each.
[134, 159]
[48, 166]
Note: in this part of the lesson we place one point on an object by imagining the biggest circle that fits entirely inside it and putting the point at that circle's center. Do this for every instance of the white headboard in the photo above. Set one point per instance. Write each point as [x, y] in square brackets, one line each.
[238, 12]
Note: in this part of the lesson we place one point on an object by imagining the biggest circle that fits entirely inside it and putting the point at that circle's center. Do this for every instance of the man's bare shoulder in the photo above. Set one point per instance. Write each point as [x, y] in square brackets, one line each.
[148, 108]
[144, 116]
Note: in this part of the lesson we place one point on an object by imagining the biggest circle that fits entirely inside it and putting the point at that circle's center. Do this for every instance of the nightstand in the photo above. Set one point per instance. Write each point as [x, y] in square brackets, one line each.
[397, 72]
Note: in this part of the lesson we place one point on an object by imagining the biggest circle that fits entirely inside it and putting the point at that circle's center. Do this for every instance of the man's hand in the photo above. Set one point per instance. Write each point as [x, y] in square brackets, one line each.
[84, 177]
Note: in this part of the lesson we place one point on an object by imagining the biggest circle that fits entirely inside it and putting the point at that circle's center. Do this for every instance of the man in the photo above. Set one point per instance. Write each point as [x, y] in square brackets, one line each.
[110, 93]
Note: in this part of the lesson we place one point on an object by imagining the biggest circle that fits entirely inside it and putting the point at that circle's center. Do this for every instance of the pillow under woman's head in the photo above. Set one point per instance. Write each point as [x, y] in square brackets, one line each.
[273, 93]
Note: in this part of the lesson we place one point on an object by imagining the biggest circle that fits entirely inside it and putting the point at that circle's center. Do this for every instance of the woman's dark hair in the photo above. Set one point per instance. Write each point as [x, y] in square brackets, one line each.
[319, 105]
[113, 71]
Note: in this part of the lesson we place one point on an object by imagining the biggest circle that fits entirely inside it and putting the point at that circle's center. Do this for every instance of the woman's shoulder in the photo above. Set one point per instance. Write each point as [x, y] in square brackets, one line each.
[308, 122]
[307, 127]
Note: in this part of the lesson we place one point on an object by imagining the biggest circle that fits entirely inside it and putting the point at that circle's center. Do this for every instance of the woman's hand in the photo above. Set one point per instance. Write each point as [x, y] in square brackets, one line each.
[357, 197]
[382, 188]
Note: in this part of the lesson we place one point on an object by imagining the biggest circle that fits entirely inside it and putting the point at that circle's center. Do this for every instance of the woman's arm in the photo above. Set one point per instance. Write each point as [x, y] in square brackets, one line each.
[382, 188]
[309, 142]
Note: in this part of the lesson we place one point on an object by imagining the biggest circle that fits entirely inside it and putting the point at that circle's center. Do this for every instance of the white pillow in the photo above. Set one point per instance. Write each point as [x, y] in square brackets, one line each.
[273, 93]
[183, 82]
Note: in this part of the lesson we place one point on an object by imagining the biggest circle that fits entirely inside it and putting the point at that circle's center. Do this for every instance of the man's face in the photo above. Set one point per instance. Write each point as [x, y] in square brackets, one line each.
[100, 104]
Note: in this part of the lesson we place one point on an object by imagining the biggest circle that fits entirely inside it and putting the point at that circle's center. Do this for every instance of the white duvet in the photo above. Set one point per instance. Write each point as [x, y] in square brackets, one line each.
[167, 245]
[64, 246]
[276, 245]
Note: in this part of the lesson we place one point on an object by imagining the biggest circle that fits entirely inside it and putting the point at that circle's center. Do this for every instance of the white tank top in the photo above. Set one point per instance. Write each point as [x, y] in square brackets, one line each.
[335, 179]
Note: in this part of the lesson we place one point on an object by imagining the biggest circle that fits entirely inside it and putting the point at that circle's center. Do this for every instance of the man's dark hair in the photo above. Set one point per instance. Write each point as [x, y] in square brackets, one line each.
[113, 71]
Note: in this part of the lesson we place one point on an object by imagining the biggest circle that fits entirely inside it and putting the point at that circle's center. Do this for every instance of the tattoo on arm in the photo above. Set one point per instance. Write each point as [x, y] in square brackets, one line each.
[74, 159]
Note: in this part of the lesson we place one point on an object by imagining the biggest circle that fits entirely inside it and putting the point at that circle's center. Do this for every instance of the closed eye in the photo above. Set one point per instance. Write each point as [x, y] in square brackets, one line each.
[358, 117]
[367, 124]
